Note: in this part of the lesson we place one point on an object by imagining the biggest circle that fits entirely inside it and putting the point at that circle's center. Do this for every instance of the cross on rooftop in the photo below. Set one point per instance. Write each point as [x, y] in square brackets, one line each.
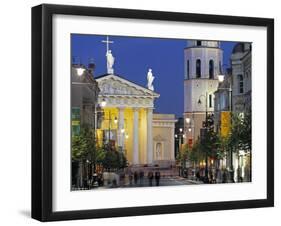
[107, 41]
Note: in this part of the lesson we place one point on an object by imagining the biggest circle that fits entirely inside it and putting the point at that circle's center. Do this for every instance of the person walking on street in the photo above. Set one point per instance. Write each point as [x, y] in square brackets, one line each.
[141, 177]
[150, 177]
[157, 178]
[130, 178]
[136, 177]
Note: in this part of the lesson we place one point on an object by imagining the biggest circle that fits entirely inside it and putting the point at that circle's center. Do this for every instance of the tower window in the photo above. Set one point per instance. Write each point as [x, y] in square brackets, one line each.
[198, 68]
[198, 43]
[211, 69]
[210, 101]
[187, 69]
[241, 83]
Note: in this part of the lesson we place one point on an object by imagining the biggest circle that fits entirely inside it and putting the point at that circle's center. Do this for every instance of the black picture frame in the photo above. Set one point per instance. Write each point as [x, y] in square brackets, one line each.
[42, 111]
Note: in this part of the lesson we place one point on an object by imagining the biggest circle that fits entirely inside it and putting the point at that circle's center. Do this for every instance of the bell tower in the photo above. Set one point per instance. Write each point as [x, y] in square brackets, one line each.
[202, 65]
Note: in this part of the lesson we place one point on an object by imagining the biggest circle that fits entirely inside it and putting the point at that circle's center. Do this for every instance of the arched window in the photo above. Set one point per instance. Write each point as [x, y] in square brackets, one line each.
[198, 68]
[211, 69]
[241, 83]
[187, 69]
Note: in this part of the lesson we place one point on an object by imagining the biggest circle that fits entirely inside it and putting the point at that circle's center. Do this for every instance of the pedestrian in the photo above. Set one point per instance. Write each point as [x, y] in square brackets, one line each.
[197, 175]
[85, 183]
[212, 179]
[100, 179]
[150, 177]
[141, 177]
[122, 179]
[136, 177]
[130, 178]
[157, 178]
[224, 177]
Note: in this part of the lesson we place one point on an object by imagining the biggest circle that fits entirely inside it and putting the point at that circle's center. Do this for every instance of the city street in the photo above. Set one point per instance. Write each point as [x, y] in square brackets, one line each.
[166, 181]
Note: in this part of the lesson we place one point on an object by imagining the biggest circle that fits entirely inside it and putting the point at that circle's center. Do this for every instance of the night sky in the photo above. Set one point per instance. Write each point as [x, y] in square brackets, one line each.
[133, 57]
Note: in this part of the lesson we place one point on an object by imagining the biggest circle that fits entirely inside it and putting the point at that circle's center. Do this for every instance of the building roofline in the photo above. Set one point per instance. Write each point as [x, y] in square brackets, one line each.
[105, 75]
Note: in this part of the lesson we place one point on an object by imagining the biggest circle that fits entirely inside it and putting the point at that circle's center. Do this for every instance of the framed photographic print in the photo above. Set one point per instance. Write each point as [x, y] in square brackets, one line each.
[146, 112]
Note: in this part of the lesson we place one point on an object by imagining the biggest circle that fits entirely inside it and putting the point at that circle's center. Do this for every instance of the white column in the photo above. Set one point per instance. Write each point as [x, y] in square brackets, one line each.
[149, 136]
[120, 136]
[136, 137]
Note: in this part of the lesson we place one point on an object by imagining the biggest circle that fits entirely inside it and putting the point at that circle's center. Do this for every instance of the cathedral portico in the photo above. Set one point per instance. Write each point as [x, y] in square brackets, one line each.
[128, 114]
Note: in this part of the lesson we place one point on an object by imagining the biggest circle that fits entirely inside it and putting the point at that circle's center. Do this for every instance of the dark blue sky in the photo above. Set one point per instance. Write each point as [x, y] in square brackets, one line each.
[133, 57]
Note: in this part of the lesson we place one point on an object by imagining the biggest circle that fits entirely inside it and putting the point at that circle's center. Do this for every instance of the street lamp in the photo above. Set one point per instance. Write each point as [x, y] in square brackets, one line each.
[188, 122]
[229, 89]
[221, 78]
[80, 71]
[103, 103]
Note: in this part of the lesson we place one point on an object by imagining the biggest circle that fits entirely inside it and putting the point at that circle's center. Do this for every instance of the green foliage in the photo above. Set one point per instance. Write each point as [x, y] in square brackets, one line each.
[114, 159]
[100, 155]
[84, 147]
[241, 132]
[81, 145]
[196, 153]
[210, 143]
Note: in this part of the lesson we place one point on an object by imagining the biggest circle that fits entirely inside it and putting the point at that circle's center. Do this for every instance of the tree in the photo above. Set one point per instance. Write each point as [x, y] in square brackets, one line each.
[196, 154]
[210, 139]
[241, 132]
[240, 137]
[246, 132]
[114, 159]
[83, 153]
[209, 142]
[83, 145]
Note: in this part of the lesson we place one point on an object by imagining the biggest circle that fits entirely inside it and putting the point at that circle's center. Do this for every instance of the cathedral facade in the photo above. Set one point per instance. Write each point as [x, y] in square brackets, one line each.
[129, 124]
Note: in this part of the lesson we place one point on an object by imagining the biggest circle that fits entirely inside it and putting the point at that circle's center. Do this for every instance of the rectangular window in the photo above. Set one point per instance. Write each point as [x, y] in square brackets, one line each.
[241, 88]
[210, 101]
[75, 121]
[241, 83]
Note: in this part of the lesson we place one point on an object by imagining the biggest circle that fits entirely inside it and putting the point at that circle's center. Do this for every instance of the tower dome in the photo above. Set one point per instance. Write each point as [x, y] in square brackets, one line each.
[238, 48]
[241, 47]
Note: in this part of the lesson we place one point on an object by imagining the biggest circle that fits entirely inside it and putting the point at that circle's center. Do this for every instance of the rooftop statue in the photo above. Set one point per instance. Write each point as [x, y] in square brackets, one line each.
[150, 79]
[110, 61]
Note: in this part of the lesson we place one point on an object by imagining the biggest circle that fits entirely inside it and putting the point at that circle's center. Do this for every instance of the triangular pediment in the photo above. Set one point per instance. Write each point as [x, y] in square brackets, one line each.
[115, 85]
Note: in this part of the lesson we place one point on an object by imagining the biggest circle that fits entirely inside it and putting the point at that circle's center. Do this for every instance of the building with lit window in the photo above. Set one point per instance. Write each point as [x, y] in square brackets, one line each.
[84, 94]
[234, 96]
[241, 64]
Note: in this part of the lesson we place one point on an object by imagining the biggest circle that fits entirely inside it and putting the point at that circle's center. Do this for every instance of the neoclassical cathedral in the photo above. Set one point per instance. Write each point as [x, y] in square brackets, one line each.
[203, 63]
[128, 120]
